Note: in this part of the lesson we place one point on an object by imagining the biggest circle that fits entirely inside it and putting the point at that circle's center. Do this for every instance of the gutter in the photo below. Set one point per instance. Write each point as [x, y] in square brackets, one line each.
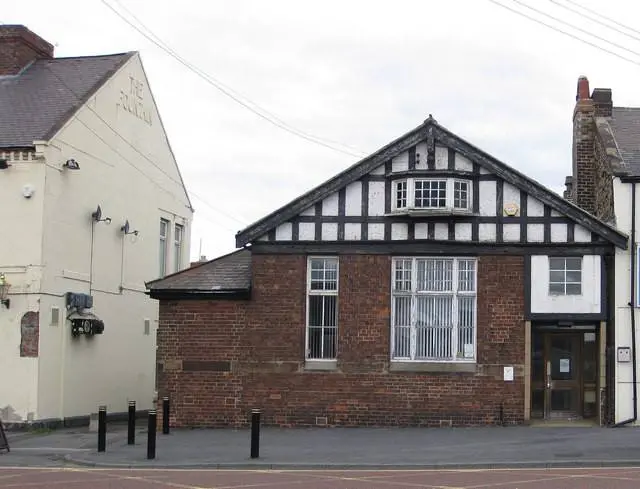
[634, 358]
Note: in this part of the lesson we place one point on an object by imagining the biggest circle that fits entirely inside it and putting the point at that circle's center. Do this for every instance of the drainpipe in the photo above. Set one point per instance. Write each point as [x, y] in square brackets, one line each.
[632, 309]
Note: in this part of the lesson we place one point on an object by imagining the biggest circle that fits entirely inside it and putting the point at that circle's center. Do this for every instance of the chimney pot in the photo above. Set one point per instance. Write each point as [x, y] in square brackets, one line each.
[583, 88]
[19, 47]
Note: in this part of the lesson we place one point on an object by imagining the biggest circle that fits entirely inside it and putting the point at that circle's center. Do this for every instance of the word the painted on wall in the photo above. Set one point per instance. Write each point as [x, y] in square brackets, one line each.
[132, 100]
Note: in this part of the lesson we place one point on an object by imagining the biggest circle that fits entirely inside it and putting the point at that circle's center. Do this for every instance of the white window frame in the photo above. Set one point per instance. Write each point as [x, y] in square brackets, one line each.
[323, 292]
[414, 294]
[178, 239]
[164, 246]
[565, 271]
[449, 194]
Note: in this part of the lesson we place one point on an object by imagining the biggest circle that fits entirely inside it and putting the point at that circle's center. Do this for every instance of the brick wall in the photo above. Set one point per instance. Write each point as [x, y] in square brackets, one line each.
[18, 47]
[260, 343]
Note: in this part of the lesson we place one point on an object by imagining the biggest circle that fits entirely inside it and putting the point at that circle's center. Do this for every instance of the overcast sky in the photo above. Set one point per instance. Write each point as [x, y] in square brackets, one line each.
[359, 73]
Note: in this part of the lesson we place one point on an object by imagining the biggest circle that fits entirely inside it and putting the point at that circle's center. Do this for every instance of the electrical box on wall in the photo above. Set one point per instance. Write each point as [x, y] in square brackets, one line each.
[624, 354]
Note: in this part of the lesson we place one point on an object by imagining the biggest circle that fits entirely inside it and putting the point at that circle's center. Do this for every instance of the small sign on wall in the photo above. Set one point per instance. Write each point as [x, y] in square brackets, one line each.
[508, 374]
[565, 365]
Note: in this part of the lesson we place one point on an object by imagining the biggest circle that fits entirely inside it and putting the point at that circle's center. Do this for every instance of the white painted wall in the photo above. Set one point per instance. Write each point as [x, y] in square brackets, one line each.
[624, 370]
[589, 302]
[74, 376]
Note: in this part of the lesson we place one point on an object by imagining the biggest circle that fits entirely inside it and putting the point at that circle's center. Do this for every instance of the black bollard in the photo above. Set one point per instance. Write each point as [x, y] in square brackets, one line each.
[255, 433]
[131, 432]
[151, 440]
[165, 415]
[102, 428]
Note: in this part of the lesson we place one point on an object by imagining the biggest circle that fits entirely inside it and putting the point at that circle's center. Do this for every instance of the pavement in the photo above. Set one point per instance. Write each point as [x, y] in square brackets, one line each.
[334, 448]
[611, 478]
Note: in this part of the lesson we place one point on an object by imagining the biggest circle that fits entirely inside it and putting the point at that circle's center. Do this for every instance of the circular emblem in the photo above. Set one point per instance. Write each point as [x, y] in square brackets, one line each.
[511, 209]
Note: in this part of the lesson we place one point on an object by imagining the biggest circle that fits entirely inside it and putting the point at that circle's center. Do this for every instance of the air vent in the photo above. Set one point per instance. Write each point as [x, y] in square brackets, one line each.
[147, 327]
[55, 316]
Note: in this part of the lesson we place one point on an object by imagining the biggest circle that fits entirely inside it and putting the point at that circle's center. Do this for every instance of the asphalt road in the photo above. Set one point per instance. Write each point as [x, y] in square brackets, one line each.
[72, 478]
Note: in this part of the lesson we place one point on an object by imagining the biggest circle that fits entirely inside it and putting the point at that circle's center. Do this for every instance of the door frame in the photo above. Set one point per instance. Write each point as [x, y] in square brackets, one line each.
[546, 329]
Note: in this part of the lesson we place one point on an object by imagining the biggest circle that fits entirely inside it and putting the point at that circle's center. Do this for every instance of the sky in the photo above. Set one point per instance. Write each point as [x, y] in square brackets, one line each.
[356, 73]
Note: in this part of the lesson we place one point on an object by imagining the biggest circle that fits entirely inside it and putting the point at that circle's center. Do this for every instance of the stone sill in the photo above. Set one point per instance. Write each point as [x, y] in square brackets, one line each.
[451, 367]
[321, 365]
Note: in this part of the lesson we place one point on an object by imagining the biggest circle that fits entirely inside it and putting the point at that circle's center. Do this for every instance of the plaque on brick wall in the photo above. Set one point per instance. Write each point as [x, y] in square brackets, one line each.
[4, 443]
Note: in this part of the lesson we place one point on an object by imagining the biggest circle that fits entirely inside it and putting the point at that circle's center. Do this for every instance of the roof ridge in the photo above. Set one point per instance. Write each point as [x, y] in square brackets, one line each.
[64, 58]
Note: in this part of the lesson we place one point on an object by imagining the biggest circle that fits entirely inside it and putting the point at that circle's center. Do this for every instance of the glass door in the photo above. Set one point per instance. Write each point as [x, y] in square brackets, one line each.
[563, 368]
[557, 375]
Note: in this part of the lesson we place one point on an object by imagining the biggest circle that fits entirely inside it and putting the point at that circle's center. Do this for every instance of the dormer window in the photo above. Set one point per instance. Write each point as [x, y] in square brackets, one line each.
[432, 194]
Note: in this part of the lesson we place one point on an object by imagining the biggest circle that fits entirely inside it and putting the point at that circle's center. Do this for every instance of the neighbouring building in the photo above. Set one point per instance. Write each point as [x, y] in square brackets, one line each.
[606, 172]
[92, 204]
[429, 284]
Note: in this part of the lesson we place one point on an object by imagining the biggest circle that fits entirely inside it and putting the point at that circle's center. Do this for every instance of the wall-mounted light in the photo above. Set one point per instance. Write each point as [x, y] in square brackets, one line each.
[97, 216]
[126, 229]
[71, 164]
[4, 164]
[4, 291]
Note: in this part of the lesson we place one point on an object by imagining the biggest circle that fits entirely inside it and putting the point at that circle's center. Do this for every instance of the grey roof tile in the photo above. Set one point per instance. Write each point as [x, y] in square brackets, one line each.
[625, 123]
[228, 272]
[35, 103]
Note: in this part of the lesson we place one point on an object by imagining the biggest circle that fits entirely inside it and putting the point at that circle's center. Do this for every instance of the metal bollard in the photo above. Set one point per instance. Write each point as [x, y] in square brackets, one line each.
[165, 415]
[255, 433]
[102, 428]
[151, 440]
[131, 428]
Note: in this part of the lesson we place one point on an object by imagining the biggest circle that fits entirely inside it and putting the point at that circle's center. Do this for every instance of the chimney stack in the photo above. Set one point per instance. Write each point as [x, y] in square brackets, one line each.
[603, 101]
[584, 171]
[19, 47]
[568, 191]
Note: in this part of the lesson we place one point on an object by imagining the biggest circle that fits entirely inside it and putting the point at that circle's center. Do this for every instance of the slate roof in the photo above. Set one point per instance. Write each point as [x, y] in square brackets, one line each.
[625, 125]
[35, 103]
[228, 273]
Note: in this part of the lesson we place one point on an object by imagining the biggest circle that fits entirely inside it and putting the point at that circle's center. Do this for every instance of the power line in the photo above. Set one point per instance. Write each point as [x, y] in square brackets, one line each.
[228, 92]
[580, 29]
[179, 182]
[573, 36]
[604, 17]
[597, 21]
[174, 54]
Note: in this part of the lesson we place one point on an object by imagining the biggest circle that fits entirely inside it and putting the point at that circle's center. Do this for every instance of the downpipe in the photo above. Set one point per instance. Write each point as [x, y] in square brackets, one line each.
[634, 358]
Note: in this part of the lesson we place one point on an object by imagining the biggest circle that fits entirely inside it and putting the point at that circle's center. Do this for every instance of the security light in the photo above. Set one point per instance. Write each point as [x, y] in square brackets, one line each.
[71, 164]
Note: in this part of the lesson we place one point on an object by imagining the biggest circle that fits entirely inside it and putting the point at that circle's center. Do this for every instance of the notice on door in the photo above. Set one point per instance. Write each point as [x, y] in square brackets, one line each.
[565, 365]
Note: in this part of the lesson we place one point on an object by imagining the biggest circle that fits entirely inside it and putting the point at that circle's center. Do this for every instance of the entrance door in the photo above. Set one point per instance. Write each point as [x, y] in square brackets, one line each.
[556, 375]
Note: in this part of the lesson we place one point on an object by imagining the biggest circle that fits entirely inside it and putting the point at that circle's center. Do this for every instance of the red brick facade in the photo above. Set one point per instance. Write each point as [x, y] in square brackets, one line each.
[18, 47]
[263, 341]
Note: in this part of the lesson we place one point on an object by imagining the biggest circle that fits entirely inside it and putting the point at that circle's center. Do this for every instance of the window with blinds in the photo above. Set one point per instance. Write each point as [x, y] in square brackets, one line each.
[434, 309]
[322, 308]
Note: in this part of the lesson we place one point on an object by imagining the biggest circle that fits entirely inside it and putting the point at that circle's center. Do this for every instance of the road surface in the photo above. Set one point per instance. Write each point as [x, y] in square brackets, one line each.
[78, 478]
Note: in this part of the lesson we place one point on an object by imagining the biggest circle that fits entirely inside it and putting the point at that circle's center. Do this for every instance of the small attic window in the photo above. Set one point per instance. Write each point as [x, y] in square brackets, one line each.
[432, 193]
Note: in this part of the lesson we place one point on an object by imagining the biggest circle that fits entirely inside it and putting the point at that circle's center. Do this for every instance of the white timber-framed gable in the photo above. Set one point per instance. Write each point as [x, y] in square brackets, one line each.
[431, 185]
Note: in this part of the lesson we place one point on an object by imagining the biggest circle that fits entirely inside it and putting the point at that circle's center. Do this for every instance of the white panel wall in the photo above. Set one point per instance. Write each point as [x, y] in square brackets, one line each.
[329, 231]
[353, 199]
[330, 205]
[463, 231]
[399, 230]
[441, 230]
[352, 231]
[306, 231]
[284, 232]
[421, 230]
[400, 162]
[442, 158]
[535, 208]
[463, 163]
[376, 198]
[510, 194]
[586, 303]
[421, 161]
[511, 232]
[581, 235]
[487, 198]
[376, 231]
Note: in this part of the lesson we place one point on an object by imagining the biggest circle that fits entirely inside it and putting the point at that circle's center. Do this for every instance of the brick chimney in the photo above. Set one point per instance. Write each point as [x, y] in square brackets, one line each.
[19, 47]
[584, 171]
[603, 101]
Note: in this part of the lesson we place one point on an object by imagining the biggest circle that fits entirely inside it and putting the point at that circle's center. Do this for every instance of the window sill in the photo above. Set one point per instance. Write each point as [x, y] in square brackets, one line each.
[321, 365]
[452, 367]
[414, 212]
